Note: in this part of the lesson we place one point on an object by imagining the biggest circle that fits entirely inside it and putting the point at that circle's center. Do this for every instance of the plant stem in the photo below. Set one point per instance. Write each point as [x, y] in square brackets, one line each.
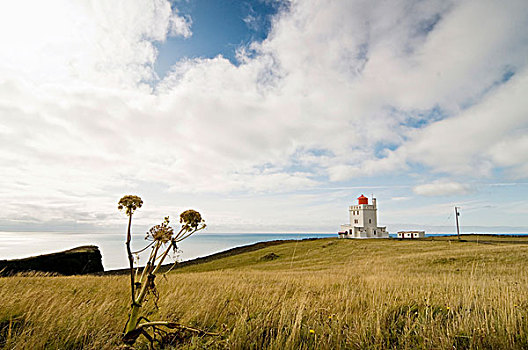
[136, 304]
[161, 260]
[130, 258]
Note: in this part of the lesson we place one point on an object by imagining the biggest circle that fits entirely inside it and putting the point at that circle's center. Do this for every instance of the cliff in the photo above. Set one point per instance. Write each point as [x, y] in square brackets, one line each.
[76, 261]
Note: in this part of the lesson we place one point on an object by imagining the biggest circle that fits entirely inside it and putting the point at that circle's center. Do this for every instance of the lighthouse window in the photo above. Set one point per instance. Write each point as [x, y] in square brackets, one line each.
[370, 221]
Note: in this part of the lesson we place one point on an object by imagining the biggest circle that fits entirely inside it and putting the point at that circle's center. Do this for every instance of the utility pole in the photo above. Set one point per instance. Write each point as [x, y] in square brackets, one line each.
[457, 214]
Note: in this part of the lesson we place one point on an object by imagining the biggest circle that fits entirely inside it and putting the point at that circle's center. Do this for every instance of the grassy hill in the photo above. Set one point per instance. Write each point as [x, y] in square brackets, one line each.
[324, 294]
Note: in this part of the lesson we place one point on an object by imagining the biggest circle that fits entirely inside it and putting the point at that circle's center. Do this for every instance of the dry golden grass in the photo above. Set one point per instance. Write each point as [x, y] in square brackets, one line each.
[323, 294]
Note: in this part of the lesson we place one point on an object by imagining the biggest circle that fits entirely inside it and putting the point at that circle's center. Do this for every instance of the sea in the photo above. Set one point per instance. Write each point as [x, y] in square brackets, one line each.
[16, 245]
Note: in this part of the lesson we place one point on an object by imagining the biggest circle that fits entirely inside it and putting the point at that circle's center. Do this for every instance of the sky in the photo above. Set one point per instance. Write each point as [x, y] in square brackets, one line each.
[264, 115]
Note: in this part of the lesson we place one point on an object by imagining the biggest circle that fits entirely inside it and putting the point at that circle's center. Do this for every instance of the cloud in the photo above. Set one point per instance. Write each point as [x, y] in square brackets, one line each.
[338, 91]
[180, 25]
[85, 43]
[442, 188]
[512, 152]
[474, 142]
[398, 199]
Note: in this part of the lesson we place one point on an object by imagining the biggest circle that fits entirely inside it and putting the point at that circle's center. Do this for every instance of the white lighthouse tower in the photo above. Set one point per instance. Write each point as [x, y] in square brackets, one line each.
[363, 221]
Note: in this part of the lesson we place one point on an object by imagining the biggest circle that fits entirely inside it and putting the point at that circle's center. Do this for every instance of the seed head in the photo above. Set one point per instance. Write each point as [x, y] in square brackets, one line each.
[162, 232]
[129, 203]
[191, 219]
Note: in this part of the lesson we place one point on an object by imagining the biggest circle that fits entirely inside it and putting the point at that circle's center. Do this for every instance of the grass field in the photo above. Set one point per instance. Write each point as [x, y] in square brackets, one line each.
[321, 294]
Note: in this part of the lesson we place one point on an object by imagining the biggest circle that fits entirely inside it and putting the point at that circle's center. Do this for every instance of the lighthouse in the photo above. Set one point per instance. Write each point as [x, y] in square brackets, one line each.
[363, 221]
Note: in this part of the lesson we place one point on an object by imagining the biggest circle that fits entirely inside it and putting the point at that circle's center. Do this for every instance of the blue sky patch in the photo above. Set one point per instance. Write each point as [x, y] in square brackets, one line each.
[382, 149]
[417, 119]
[218, 28]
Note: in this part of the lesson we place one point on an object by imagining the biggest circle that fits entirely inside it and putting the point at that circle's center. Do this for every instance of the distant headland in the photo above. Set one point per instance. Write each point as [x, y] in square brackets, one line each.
[76, 261]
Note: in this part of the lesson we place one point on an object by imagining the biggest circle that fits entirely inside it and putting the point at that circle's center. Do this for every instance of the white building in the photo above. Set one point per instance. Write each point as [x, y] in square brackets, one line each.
[411, 234]
[363, 221]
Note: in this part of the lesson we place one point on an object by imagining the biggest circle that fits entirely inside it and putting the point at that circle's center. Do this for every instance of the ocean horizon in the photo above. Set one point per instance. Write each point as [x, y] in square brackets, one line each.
[16, 245]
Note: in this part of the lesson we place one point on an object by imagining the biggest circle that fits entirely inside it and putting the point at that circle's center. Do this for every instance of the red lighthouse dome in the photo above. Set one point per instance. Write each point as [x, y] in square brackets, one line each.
[362, 200]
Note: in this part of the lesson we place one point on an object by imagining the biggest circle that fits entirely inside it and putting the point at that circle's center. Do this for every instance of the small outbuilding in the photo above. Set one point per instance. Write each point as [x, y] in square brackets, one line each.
[411, 234]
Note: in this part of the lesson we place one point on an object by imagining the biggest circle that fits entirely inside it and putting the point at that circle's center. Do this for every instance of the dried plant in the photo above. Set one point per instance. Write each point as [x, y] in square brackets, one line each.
[163, 239]
[129, 204]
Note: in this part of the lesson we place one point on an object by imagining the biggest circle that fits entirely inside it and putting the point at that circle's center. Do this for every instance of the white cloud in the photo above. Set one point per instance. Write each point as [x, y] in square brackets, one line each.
[479, 139]
[180, 25]
[442, 188]
[398, 199]
[512, 152]
[339, 90]
[84, 43]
